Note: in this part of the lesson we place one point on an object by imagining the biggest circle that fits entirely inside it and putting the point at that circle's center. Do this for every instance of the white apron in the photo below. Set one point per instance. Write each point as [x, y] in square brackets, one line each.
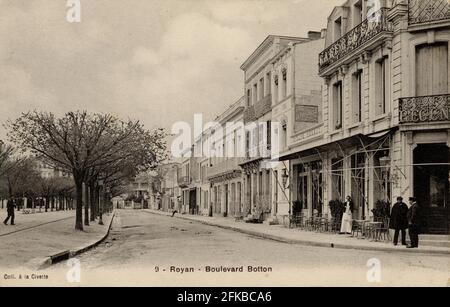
[346, 224]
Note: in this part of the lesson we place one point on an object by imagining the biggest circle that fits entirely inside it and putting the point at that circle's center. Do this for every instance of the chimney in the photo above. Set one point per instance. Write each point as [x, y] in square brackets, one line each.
[313, 35]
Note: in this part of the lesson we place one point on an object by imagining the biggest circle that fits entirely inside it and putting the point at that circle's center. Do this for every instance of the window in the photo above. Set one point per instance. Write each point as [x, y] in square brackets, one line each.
[381, 90]
[284, 136]
[261, 137]
[284, 90]
[249, 97]
[255, 93]
[357, 13]
[275, 88]
[235, 145]
[337, 29]
[268, 82]
[337, 105]
[302, 189]
[357, 96]
[337, 174]
[432, 74]
[269, 135]
[261, 88]
[247, 144]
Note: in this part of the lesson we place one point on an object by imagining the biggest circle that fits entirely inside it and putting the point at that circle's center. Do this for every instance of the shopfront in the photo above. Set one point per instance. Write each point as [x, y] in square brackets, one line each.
[431, 186]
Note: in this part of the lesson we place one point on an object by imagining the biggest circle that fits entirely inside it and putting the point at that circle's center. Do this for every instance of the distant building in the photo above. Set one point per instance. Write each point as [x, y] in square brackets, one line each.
[46, 170]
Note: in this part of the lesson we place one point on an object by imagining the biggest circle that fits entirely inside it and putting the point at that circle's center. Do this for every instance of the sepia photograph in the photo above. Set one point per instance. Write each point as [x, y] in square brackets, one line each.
[206, 144]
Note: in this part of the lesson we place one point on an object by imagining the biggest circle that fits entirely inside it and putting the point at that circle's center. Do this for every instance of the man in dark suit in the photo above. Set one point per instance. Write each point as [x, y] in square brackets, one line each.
[10, 210]
[414, 222]
[399, 220]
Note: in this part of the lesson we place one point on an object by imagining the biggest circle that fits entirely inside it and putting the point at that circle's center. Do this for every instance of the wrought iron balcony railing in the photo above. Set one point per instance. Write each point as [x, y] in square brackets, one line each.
[184, 181]
[426, 11]
[257, 110]
[356, 38]
[424, 109]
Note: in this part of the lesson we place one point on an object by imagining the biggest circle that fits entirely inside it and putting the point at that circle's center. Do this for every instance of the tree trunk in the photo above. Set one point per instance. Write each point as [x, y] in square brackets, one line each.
[86, 205]
[101, 203]
[92, 202]
[79, 206]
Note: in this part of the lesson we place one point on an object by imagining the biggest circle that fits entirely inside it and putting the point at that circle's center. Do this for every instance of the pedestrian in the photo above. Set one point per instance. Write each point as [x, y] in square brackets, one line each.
[399, 220]
[347, 218]
[173, 212]
[10, 210]
[414, 222]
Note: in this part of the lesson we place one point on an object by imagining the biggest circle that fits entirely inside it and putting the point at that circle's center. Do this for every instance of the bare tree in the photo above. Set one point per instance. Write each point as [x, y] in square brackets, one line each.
[87, 144]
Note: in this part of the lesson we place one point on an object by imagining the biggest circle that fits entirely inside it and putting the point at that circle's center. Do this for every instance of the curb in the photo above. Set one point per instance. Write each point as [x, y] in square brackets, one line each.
[310, 243]
[45, 262]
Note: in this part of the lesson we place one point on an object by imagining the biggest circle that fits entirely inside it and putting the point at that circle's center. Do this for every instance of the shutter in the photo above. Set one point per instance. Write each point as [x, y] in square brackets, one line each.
[432, 69]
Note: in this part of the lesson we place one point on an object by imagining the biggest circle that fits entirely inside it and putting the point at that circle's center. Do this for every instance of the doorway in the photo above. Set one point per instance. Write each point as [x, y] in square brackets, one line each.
[193, 202]
[431, 186]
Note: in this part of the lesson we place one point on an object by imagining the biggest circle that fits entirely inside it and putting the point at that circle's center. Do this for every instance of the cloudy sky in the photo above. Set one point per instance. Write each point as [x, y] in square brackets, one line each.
[155, 60]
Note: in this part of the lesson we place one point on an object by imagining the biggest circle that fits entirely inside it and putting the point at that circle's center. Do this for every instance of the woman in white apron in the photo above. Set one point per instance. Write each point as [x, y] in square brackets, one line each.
[346, 224]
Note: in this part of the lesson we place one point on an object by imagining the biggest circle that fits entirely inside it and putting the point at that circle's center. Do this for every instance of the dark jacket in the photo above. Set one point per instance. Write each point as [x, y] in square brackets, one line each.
[352, 206]
[10, 206]
[414, 218]
[399, 216]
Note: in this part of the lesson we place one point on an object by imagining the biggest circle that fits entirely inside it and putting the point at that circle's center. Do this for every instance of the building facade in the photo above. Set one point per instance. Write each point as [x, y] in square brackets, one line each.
[189, 183]
[273, 81]
[224, 174]
[385, 112]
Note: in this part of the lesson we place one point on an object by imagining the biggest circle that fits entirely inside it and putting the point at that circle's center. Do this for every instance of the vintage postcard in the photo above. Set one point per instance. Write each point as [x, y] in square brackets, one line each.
[225, 143]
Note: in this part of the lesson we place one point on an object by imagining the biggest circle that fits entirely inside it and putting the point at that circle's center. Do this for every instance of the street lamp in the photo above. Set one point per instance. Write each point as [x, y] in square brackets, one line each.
[284, 178]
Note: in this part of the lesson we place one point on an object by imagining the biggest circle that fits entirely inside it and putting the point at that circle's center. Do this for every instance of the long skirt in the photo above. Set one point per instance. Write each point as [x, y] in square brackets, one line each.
[346, 224]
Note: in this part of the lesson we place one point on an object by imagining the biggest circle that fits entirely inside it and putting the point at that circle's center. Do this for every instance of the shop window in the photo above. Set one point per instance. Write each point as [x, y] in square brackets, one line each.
[337, 182]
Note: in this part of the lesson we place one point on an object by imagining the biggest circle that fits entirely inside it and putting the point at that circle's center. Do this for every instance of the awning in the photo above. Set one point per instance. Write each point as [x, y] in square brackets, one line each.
[350, 141]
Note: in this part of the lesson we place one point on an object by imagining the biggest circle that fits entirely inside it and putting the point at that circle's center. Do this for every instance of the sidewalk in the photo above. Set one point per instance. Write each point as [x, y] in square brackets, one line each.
[296, 236]
[26, 221]
[21, 249]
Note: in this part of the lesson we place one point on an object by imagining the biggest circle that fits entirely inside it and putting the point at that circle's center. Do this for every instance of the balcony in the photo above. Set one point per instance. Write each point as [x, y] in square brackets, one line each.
[428, 11]
[366, 32]
[263, 106]
[225, 167]
[424, 109]
[184, 181]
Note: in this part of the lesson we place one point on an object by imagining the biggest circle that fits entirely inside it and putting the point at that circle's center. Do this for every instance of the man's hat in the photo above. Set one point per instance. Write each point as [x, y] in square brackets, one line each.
[412, 199]
[400, 198]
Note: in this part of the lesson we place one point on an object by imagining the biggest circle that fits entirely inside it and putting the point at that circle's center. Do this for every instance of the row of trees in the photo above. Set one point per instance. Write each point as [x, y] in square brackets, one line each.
[100, 151]
[19, 177]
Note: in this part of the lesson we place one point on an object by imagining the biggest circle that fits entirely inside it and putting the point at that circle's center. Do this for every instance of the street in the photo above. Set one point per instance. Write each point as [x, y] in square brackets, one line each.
[148, 249]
